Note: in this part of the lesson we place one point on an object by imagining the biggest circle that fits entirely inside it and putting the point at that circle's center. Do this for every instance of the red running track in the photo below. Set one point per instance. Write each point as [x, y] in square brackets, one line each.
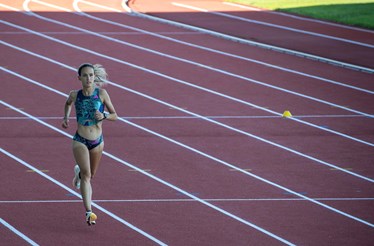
[290, 32]
[203, 156]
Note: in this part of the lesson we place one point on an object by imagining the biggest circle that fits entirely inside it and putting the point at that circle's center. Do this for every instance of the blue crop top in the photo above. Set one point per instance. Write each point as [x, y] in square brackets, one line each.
[86, 106]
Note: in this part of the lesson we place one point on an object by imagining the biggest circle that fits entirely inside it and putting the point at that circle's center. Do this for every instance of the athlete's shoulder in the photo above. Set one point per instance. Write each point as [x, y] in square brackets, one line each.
[73, 93]
[102, 92]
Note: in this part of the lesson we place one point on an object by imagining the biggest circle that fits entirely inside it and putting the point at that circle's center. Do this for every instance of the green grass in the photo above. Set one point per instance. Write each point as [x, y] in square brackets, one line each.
[350, 12]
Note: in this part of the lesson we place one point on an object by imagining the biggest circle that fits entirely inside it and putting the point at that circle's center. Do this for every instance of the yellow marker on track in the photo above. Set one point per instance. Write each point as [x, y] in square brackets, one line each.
[287, 114]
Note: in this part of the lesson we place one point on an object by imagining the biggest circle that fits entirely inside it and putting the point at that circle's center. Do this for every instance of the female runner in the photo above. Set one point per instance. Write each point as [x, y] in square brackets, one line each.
[88, 141]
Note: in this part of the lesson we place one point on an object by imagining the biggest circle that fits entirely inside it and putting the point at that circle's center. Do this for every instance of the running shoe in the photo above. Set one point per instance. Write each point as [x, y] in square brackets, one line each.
[76, 179]
[91, 218]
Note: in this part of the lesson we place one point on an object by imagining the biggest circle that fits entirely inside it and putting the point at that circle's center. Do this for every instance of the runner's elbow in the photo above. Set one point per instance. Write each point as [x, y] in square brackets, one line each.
[114, 116]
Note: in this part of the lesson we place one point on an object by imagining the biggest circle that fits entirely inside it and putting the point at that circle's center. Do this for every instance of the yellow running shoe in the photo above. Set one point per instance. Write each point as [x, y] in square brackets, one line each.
[91, 218]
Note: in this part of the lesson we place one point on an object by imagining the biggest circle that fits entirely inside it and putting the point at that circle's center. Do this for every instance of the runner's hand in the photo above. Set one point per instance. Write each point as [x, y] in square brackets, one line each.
[65, 123]
[99, 116]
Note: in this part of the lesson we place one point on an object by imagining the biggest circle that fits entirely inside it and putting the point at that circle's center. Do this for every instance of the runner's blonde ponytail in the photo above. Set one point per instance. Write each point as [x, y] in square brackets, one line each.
[101, 75]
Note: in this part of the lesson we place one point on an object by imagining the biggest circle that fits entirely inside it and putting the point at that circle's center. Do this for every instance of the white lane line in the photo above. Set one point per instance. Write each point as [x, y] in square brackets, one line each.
[244, 117]
[274, 25]
[143, 172]
[255, 44]
[25, 3]
[197, 151]
[10, 7]
[17, 232]
[190, 200]
[107, 33]
[220, 52]
[124, 5]
[29, 166]
[189, 84]
[180, 109]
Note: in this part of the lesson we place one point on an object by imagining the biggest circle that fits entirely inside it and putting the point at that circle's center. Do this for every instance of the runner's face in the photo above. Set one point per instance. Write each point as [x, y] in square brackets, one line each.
[87, 77]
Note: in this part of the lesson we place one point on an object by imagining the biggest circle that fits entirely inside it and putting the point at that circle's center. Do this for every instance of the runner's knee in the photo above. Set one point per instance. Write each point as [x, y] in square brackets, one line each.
[86, 176]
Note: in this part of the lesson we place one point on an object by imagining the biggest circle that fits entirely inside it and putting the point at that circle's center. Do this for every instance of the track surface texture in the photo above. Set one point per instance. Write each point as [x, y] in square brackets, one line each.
[203, 152]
